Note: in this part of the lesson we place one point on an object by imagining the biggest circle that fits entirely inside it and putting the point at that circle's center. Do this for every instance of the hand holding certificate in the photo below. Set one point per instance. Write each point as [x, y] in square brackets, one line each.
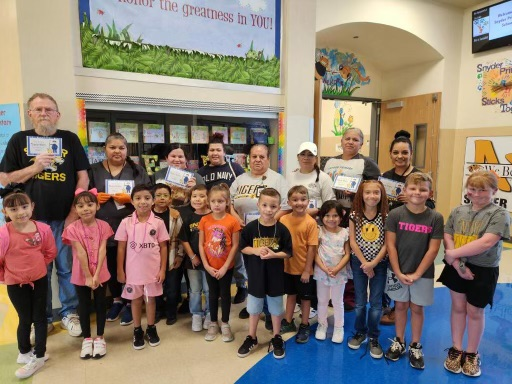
[37, 145]
[347, 183]
[178, 177]
[393, 188]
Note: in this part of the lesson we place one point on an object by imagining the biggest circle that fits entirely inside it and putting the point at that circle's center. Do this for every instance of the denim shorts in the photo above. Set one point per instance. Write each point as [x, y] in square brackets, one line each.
[255, 305]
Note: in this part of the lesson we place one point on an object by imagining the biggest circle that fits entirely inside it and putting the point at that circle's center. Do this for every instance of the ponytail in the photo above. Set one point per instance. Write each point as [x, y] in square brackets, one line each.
[317, 169]
[134, 167]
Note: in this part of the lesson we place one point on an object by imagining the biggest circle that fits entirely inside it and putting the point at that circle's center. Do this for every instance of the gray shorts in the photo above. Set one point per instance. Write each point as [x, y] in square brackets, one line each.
[421, 292]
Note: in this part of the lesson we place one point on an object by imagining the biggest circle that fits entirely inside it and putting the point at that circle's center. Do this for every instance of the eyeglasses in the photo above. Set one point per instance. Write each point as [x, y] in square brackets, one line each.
[162, 195]
[49, 111]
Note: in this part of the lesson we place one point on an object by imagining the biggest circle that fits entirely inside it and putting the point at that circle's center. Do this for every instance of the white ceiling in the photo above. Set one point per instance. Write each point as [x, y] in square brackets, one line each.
[388, 48]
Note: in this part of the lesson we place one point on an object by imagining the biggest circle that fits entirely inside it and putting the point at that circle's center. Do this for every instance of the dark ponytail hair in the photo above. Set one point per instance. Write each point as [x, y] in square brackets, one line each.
[317, 169]
[401, 137]
[217, 138]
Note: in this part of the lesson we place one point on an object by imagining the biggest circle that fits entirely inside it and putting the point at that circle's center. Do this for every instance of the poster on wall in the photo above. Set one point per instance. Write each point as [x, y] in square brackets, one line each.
[223, 131]
[494, 81]
[229, 41]
[491, 154]
[199, 134]
[238, 135]
[98, 131]
[130, 131]
[153, 133]
[178, 134]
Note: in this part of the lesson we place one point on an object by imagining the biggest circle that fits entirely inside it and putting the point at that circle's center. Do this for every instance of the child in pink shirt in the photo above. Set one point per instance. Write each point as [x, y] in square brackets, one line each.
[142, 241]
[26, 248]
[88, 239]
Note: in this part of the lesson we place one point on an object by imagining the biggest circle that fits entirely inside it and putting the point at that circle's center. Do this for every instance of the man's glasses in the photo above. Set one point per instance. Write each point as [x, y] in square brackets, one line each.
[49, 111]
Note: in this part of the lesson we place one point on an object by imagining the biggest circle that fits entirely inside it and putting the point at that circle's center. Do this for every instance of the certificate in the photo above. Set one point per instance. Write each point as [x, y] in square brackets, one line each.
[347, 183]
[251, 216]
[37, 145]
[178, 177]
[118, 186]
[393, 188]
[312, 204]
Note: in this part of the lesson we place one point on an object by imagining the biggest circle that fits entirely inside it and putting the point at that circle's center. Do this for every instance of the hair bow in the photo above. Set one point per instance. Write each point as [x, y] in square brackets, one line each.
[11, 188]
[94, 191]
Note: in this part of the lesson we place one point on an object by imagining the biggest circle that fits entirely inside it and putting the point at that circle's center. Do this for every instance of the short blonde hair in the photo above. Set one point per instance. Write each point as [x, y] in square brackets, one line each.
[418, 178]
[482, 179]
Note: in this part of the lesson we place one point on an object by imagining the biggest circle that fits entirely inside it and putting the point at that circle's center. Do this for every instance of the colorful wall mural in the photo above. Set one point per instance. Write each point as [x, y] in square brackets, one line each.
[494, 81]
[235, 41]
[342, 73]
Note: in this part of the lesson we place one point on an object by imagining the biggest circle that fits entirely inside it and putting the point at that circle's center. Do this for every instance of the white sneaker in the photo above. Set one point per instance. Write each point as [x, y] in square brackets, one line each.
[50, 328]
[312, 313]
[99, 348]
[227, 335]
[71, 322]
[24, 358]
[30, 368]
[297, 308]
[197, 323]
[321, 332]
[86, 352]
[338, 335]
[207, 321]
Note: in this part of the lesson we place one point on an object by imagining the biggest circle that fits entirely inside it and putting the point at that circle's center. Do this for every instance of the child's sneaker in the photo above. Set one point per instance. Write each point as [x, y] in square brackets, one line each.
[355, 341]
[337, 335]
[86, 352]
[114, 311]
[277, 346]
[126, 315]
[302, 335]
[395, 350]
[71, 323]
[247, 346]
[197, 323]
[99, 348]
[471, 366]
[227, 335]
[453, 362]
[321, 332]
[375, 348]
[207, 321]
[138, 338]
[152, 336]
[416, 356]
[30, 368]
[213, 332]
[296, 308]
[24, 358]
[288, 326]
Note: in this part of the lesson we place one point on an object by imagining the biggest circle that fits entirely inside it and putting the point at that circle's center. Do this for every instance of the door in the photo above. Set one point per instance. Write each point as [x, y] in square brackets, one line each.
[420, 116]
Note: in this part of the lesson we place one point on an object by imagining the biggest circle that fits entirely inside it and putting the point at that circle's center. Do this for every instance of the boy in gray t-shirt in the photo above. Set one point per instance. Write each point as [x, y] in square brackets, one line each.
[413, 237]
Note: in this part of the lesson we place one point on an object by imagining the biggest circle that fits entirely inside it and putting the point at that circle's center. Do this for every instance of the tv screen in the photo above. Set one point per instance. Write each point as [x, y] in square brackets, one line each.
[492, 26]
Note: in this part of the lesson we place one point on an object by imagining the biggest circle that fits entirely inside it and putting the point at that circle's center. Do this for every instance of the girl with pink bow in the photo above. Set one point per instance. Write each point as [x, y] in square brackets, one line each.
[88, 239]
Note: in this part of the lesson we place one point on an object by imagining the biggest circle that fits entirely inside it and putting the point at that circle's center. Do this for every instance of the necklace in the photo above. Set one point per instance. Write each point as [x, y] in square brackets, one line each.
[273, 245]
[133, 243]
[120, 173]
[90, 254]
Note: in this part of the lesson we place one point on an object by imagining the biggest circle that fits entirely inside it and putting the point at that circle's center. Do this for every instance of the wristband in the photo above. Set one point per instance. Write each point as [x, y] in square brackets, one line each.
[193, 257]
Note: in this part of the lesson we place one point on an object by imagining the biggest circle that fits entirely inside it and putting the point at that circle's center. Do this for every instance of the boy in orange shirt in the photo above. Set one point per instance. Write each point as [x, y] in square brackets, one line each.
[299, 268]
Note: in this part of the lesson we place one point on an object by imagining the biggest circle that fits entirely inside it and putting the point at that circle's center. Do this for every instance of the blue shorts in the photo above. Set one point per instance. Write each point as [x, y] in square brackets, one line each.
[255, 305]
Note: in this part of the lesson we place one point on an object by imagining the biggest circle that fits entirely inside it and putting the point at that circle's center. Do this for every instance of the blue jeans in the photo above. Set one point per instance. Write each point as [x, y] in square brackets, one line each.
[377, 285]
[63, 263]
[198, 285]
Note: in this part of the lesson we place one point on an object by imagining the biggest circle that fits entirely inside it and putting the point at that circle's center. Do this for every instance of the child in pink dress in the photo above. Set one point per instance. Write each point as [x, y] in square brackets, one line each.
[88, 239]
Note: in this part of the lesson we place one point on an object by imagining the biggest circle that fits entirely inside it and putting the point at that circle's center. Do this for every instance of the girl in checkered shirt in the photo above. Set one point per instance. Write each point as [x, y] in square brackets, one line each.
[368, 261]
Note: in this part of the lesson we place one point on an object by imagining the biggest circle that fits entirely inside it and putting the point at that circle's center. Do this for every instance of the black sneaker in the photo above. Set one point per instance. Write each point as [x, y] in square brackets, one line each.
[243, 314]
[396, 349]
[138, 338]
[152, 336]
[240, 296]
[375, 348]
[416, 356]
[277, 346]
[302, 335]
[355, 341]
[268, 322]
[247, 346]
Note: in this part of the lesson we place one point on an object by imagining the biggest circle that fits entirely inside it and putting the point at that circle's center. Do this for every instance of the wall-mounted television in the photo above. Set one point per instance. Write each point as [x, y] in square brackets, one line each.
[492, 26]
